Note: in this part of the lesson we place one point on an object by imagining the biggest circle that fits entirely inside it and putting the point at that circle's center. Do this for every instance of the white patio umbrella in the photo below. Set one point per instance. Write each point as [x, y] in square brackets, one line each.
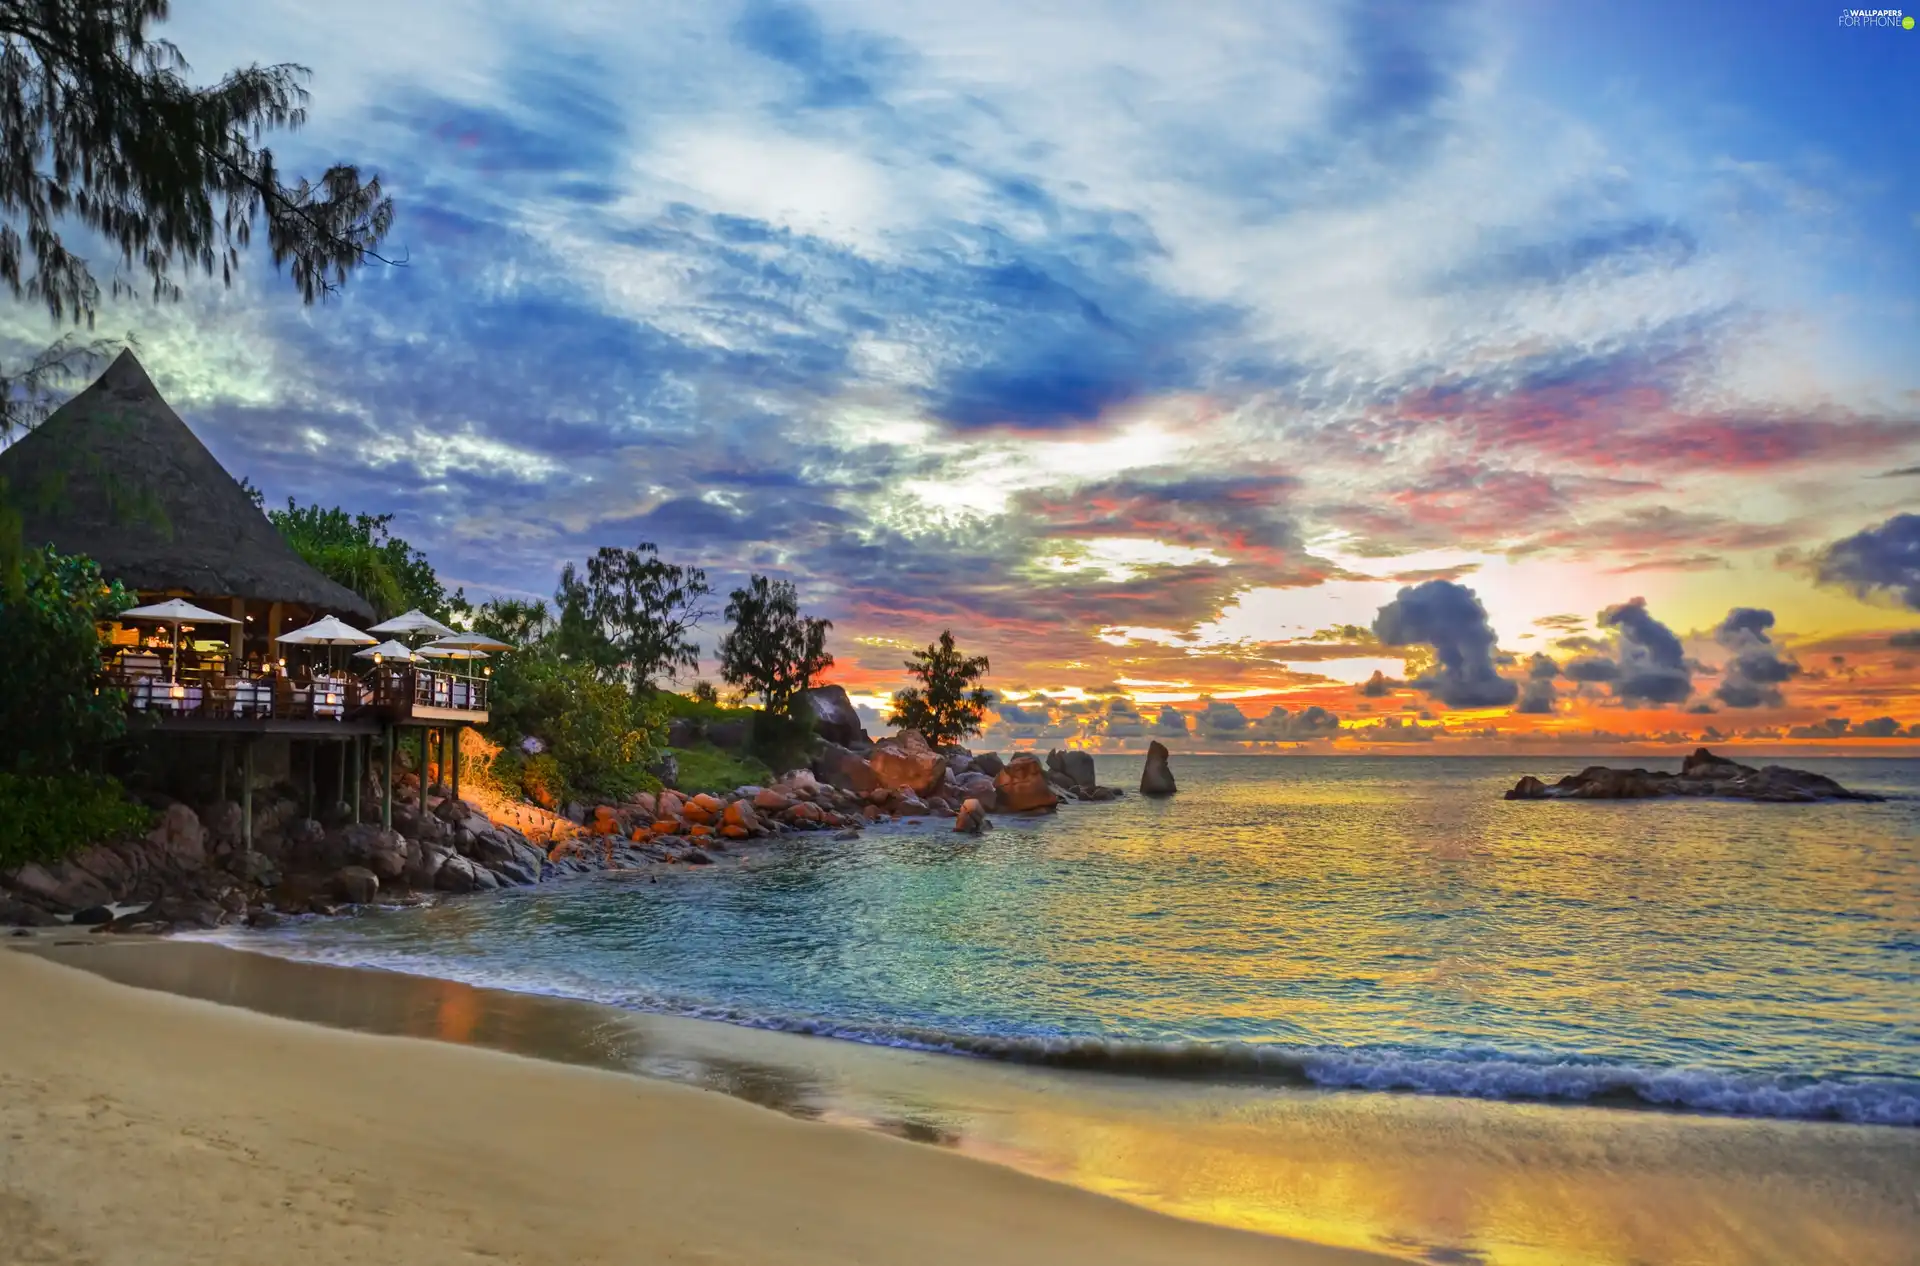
[444, 650]
[474, 641]
[176, 612]
[388, 649]
[414, 622]
[328, 632]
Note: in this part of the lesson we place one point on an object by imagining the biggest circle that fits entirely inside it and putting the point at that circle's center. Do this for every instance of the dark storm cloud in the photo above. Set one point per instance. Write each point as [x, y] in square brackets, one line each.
[1282, 726]
[1752, 677]
[1592, 668]
[1379, 686]
[1883, 560]
[1541, 667]
[1449, 618]
[1170, 721]
[1905, 640]
[1653, 666]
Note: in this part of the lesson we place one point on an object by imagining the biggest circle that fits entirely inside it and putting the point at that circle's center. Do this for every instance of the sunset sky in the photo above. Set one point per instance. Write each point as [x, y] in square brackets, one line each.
[1202, 364]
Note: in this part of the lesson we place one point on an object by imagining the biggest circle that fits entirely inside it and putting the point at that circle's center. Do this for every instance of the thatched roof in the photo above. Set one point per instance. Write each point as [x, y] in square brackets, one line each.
[116, 475]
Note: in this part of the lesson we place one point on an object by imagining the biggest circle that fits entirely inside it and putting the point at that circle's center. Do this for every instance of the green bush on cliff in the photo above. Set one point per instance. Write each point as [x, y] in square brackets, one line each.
[55, 710]
[704, 767]
[44, 817]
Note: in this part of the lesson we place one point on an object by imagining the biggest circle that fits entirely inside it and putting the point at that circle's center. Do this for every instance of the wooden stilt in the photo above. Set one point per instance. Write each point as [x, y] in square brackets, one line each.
[221, 756]
[386, 762]
[246, 794]
[358, 778]
[454, 763]
[426, 732]
[313, 795]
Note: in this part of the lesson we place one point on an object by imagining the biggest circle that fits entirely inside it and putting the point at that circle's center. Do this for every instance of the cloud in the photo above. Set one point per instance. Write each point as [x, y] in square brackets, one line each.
[1541, 667]
[1379, 686]
[1219, 719]
[1906, 639]
[1752, 677]
[1395, 730]
[1537, 697]
[1652, 665]
[1170, 721]
[1879, 561]
[1280, 725]
[1842, 728]
[1449, 618]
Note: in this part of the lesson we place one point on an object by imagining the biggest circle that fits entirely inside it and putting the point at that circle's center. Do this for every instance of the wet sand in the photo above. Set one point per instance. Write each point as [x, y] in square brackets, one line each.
[142, 1127]
[1423, 1179]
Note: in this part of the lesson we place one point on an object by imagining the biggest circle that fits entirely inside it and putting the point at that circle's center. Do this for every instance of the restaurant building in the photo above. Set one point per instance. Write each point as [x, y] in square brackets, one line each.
[114, 474]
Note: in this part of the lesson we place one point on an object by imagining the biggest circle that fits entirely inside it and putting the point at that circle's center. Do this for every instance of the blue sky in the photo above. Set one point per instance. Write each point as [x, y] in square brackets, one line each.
[1142, 344]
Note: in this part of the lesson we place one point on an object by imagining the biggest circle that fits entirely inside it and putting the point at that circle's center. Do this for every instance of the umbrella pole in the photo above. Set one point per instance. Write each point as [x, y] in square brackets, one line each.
[176, 654]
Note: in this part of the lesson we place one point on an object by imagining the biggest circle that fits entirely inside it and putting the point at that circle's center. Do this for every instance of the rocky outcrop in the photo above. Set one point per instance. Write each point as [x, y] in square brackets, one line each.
[1156, 779]
[972, 818]
[1701, 774]
[1022, 786]
[1075, 766]
[907, 760]
[834, 717]
[841, 767]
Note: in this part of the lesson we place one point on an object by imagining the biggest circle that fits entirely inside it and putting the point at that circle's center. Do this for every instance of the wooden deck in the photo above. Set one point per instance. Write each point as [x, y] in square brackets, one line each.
[343, 703]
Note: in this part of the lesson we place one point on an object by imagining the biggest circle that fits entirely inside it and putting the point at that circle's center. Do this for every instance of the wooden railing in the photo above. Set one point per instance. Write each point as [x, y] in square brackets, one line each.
[392, 692]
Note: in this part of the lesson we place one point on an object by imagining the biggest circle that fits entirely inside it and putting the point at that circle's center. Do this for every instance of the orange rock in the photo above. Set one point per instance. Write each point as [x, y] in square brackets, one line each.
[639, 833]
[667, 826]
[740, 814]
[803, 812]
[696, 812]
[708, 802]
[698, 829]
[772, 801]
[1023, 786]
[906, 760]
[733, 832]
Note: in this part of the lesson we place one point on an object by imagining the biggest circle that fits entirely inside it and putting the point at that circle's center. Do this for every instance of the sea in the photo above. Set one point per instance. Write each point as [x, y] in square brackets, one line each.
[1300, 935]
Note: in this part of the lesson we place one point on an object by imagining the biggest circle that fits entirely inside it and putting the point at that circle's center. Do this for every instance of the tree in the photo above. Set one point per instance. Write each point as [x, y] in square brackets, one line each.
[772, 650]
[632, 616]
[360, 552]
[56, 712]
[99, 127]
[948, 703]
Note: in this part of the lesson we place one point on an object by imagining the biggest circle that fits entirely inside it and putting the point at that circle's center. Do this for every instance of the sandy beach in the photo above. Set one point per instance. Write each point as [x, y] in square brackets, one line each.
[141, 1127]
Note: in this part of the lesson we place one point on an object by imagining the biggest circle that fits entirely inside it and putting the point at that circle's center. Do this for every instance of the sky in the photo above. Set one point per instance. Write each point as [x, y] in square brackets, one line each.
[1333, 377]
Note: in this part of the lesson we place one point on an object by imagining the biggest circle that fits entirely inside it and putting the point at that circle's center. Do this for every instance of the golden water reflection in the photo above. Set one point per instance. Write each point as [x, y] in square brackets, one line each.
[1437, 1180]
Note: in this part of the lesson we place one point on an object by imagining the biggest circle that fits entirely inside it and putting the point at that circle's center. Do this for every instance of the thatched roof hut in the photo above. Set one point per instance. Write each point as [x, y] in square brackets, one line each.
[116, 475]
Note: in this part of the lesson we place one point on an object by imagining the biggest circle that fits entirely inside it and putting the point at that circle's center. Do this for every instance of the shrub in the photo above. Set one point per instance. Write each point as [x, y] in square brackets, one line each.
[43, 818]
[542, 782]
[782, 742]
[704, 767]
[55, 712]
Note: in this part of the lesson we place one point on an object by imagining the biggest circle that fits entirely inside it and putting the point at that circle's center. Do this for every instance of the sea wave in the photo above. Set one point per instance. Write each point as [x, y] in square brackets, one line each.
[1479, 1073]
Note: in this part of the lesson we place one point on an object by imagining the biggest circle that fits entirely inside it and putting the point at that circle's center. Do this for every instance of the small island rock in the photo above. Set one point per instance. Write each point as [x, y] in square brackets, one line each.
[1157, 778]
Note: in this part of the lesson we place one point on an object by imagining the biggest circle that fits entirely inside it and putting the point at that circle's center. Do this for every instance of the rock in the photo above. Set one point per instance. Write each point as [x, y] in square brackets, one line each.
[262, 918]
[772, 801]
[1101, 793]
[113, 869]
[1077, 766]
[21, 914]
[1156, 779]
[59, 886]
[223, 821]
[847, 770]
[834, 716]
[172, 911]
[850, 833]
[978, 786]
[728, 735]
[1701, 774]
[1022, 786]
[457, 874]
[180, 837]
[910, 805]
[972, 818]
[694, 857]
[644, 803]
[454, 811]
[605, 821]
[683, 732]
[666, 769]
[739, 816]
[907, 761]
[93, 915]
[988, 763]
[356, 885]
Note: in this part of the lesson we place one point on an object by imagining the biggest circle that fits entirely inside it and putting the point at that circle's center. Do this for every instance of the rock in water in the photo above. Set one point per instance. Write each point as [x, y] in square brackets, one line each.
[972, 818]
[356, 885]
[1701, 774]
[1022, 786]
[1076, 765]
[1157, 778]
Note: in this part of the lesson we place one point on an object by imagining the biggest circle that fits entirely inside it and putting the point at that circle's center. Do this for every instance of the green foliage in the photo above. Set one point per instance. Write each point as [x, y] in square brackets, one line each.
[703, 692]
[358, 551]
[708, 710]
[55, 711]
[782, 741]
[948, 703]
[45, 817]
[632, 616]
[704, 767]
[772, 650]
[103, 132]
[542, 782]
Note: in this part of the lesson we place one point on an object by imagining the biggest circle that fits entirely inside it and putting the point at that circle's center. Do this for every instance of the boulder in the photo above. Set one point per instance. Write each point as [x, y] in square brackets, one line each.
[20, 914]
[1156, 779]
[223, 821]
[454, 811]
[1022, 786]
[1077, 766]
[356, 885]
[739, 816]
[1528, 788]
[59, 886]
[666, 769]
[1701, 774]
[988, 763]
[847, 770]
[834, 717]
[728, 735]
[179, 837]
[683, 732]
[457, 874]
[772, 800]
[972, 818]
[92, 916]
[644, 803]
[978, 786]
[906, 760]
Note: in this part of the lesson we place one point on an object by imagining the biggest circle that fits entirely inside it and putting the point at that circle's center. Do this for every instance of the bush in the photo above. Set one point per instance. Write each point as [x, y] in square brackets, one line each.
[46, 817]
[55, 712]
[783, 742]
[542, 782]
[704, 767]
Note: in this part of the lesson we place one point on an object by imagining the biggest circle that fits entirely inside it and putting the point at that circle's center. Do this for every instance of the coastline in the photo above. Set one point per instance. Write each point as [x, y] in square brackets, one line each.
[352, 1147]
[1413, 1177]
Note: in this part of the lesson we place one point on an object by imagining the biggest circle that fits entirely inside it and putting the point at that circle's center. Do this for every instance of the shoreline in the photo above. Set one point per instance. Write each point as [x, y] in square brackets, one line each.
[1380, 1173]
[355, 1147]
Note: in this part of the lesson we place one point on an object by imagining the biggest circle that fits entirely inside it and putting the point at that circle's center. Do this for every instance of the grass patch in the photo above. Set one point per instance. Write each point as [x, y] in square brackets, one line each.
[704, 767]
[678, 706]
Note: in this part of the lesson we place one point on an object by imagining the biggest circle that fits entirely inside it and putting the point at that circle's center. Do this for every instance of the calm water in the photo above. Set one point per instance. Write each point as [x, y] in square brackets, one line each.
[1369, 923]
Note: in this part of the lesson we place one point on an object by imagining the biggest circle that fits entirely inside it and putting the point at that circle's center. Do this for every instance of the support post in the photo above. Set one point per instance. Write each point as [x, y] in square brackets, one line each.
[220, 759]
[358, 778]
[386, 762]
[313, 796]
[246, 794]
[426, 732]
[340, 773]
[453, 762]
